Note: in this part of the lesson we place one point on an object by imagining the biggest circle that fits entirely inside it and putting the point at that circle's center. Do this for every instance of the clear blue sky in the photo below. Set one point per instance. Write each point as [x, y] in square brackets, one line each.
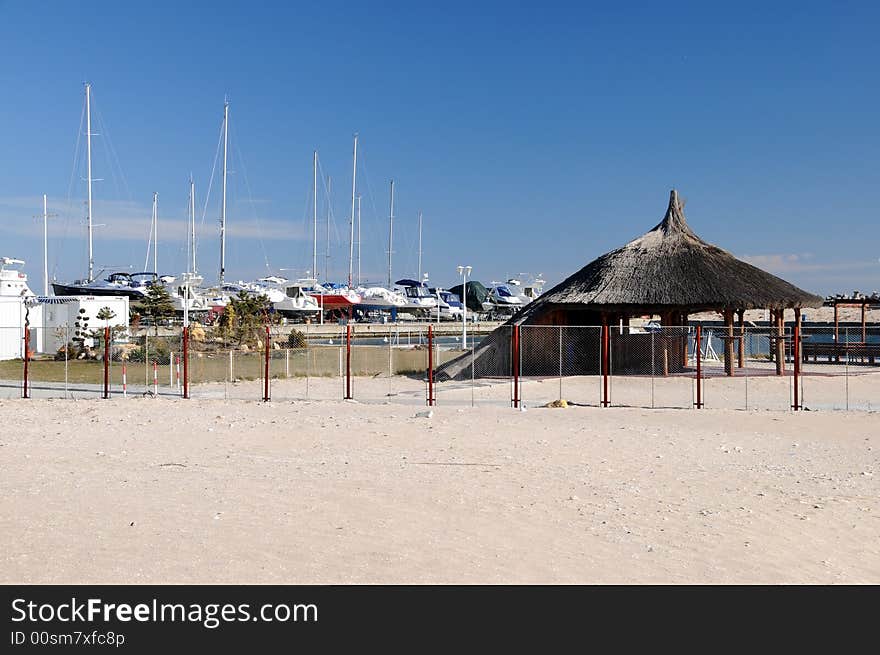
[533, 136]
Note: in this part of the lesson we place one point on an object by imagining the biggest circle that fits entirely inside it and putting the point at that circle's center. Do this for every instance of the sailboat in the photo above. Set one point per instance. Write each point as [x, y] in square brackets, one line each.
[117, 283]
[329, 296]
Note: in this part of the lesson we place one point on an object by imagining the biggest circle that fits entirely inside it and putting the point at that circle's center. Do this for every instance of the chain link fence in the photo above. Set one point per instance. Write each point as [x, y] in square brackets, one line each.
[754, 368]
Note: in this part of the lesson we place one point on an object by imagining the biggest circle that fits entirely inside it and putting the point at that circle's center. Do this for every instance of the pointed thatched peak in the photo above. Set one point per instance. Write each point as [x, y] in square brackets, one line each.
[671, 267]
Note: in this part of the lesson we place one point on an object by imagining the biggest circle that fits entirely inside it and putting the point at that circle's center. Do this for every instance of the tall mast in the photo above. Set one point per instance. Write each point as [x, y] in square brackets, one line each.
[89, 177]
[45, 248]
[390, 234]
[192, 223]
[315, 215]
[359, 241]
[420, 247]
[354, 159]
[223, 201]
[156, 233]
[327, 255]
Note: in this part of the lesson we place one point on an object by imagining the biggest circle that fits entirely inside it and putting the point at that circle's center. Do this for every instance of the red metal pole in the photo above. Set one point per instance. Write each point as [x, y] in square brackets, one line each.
[106, 362]
[266, 367]
[27, 347]
[606, 363]
[348, 360]
[186, 362]
[699, 356]
[516, 365]
[430, 364]
[796, 352]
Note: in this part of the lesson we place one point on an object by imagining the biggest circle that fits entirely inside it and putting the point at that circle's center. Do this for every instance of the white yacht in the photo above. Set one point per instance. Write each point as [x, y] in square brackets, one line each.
[13, 281]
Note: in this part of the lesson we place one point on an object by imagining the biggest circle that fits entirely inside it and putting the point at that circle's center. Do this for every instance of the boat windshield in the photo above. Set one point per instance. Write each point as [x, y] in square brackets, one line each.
[450, 299]
[417, 292]
[503, 291]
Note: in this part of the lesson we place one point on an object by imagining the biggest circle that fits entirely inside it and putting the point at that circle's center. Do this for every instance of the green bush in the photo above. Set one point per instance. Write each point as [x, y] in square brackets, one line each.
[296, 339]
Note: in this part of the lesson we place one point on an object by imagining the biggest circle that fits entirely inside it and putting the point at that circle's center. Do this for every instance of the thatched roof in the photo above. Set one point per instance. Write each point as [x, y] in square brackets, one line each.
[671, 268]
[668, 269]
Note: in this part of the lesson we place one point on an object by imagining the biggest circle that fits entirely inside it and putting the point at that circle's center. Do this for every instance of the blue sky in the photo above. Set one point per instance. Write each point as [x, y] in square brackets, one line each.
[533, 136]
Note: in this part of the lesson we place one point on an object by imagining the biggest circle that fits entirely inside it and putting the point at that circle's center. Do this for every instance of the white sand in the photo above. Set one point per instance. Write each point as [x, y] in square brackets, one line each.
[201, 491]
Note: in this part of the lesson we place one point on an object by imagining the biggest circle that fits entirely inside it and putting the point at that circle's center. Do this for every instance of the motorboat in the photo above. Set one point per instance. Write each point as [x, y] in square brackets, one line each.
[500, 300]
[296, 302]
[418, 299]
[13, 281]
[115, 284]
[450, 305]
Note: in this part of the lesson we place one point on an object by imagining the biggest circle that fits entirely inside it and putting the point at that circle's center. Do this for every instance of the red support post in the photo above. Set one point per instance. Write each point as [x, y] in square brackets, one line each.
[266, 366]
[27, 347]
[348, 361]
[186, 362]
[516, 399]
[106, 362]
[430, 365]
[606, 363]
[796, 353]
[699, 357]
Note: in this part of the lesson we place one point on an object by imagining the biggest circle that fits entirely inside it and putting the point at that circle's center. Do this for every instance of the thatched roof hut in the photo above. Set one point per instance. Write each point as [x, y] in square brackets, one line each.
[668, 271]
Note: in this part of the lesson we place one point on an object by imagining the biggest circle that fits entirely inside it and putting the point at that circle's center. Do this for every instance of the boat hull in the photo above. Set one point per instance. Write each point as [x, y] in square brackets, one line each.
[75, 290]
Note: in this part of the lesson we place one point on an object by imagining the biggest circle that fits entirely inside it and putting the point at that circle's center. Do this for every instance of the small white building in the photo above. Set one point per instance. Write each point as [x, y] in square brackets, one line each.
[61, 314]
[51, 320]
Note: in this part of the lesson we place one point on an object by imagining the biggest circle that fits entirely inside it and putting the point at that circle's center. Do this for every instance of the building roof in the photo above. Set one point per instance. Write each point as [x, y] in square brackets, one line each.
[670, 267]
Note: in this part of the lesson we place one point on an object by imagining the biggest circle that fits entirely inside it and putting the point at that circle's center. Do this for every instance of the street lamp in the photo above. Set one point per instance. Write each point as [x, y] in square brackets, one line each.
[464, 271]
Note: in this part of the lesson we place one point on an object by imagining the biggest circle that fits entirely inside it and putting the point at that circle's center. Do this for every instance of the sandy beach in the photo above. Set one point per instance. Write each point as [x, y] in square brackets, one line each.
[203, 491]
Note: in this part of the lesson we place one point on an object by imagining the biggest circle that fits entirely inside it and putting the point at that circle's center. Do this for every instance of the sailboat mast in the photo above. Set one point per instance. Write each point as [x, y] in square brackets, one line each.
[390, 234]
[45, 248]
[351, 219]
[223, 201]
[420, 247]
[359, 241]
[315, 214]
[91, 276]
[327, 255]
[192, 225]
[156, 233]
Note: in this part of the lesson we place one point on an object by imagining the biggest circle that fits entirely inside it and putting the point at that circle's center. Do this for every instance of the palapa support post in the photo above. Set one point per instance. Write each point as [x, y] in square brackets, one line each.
[25, 392]
[729, 344]
[266, 366]
[515, 359]
[106, 362]
[348, 361]
[699, 358]
[741, 342]
[430, 365]
[606, 362]
[186, 362]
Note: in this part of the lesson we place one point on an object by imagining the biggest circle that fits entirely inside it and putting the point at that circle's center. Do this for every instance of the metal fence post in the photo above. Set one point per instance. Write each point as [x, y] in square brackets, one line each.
[266, 366]
[796, 353]
[606, 364]
[699, 358]
[515, 358]
[430, 365]
[106, 362]
[27, 345]
[560, 362]
[348, 361]
[186, 362]
[652, 370]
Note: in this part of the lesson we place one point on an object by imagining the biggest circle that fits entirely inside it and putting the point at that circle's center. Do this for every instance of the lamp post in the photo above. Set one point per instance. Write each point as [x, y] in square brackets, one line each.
[464, 271]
